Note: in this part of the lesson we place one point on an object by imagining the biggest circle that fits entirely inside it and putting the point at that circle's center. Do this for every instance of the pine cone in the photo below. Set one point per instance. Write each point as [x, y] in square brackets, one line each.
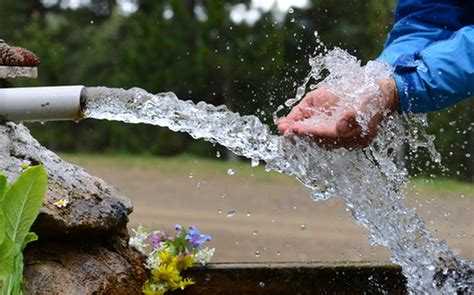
[17, 56]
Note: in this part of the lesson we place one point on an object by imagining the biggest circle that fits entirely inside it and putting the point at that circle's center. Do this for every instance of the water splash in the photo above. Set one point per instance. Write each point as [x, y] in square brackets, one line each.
[369, 180]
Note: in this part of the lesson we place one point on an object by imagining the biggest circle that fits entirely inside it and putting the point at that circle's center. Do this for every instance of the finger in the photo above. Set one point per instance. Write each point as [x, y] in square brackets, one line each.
[297, 112]
[313, 130]
[283, 126]
[300, 112]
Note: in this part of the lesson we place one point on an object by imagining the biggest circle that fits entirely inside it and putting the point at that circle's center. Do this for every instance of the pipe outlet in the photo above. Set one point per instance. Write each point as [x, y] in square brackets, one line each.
[32, 104]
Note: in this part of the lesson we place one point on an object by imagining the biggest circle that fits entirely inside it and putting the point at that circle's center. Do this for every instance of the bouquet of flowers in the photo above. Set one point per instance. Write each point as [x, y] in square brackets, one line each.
[168, 255]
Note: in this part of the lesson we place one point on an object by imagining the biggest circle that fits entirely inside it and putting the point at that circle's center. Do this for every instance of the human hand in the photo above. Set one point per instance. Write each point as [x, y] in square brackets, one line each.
[333, 123]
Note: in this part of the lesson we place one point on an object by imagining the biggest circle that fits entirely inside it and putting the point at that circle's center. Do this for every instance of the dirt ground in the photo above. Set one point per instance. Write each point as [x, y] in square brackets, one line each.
[273, 220]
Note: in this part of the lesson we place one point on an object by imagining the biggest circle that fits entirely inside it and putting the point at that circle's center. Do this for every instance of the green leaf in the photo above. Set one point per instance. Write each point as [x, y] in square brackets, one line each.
[30, 237]
[8, 252]
[3, 185]
[22, 203]
[3, 188]
[2, 225]
[17, 278]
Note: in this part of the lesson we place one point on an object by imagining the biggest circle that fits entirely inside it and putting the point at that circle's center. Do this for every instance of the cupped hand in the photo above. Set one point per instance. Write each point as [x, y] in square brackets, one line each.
[332, 123]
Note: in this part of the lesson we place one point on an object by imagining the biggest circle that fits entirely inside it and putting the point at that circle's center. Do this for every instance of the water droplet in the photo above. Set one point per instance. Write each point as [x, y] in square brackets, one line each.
[468, 155]
[231, 213]
[218, 155]
[261, 284]
[219, 211]
[303, 226]
[248, 214]
[278, 253]
[223, 196]
[255, 232]
[291, 10]
[230, 171]
[191, 176]
[257, 254]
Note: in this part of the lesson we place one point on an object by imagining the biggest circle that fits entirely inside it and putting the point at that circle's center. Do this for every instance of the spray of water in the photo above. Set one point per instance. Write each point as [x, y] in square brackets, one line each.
[369, 180]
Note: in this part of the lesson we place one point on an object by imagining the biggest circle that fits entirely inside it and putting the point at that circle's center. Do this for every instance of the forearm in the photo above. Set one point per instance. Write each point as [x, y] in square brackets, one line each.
[437, 76]
[420, 23]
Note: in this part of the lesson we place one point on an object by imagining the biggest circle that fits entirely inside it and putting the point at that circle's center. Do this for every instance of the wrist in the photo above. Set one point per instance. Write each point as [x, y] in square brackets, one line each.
[389, 91]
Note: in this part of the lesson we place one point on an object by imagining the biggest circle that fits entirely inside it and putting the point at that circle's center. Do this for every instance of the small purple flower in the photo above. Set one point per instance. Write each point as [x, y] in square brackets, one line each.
[195, 238]
[179, 230]
[155, 239]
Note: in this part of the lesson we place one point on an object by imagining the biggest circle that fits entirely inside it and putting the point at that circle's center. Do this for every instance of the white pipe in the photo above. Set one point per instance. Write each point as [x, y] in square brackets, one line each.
[40, 103]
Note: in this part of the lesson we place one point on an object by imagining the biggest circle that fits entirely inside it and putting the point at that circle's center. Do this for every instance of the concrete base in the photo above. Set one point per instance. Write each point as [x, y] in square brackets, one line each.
[297, 278]
[7, 72]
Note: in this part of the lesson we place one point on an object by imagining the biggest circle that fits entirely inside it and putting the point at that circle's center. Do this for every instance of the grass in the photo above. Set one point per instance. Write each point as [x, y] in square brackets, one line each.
[181, 164]
[441, 187]
[212, 167]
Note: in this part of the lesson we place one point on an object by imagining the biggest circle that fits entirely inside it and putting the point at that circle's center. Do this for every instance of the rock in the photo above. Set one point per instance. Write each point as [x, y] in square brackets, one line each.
[83, 239]
[94, 208]
[82, 268]
[83, 246]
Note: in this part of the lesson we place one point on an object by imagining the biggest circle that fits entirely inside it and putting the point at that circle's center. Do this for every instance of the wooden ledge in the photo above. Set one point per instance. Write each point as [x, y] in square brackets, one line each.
[296, 278]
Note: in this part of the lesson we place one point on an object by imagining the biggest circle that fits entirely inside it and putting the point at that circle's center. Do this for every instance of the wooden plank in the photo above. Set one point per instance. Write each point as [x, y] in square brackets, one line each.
[297, 278]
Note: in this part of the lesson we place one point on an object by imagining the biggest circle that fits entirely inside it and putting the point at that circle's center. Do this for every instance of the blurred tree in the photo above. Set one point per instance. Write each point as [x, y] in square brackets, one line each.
[195, 49]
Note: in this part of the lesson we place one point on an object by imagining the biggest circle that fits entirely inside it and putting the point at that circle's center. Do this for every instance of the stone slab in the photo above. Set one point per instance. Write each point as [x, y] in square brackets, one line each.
[7, 72]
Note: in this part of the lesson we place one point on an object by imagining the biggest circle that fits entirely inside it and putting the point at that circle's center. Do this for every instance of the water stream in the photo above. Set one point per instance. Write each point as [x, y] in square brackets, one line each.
[370, 181]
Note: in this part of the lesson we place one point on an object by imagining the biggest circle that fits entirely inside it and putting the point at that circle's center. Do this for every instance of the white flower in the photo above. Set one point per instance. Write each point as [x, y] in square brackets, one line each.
[204, 256]
[153, 260]
[139, 240]
[159, 287]
[25, 164]
[61, 203]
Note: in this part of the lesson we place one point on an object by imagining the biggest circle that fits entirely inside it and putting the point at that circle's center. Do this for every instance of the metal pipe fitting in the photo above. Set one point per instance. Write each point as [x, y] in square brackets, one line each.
[41, 104]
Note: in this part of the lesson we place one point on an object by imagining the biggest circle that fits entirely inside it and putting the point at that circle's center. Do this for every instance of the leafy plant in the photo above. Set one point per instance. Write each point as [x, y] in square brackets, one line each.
[19, 206]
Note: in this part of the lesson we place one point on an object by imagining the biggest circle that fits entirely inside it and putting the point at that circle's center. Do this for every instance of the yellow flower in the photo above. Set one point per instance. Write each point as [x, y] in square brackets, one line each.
[167, 274]
[165, 257]
[186, 282]
[184, 262]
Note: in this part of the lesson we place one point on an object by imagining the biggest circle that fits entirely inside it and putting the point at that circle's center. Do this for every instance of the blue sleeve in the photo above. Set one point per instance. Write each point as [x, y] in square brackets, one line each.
[438, 76]
[431, 49]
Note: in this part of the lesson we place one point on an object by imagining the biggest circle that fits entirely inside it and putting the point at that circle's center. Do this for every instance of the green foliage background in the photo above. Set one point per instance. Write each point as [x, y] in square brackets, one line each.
[250, 68]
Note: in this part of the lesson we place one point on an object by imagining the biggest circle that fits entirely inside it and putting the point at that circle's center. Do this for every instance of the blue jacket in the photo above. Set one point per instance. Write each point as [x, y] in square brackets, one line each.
[431, 47]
